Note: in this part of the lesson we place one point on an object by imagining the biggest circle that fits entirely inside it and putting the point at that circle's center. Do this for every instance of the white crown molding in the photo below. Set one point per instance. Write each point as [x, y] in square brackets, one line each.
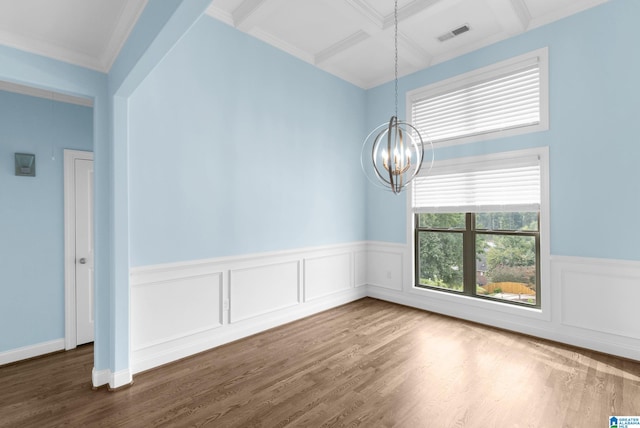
[254, 16]
[50, 50]
[124, 25]
[221, 15]
[282, 45]
[389, 77]
[347, 77]
[100, 61]
[564, 12]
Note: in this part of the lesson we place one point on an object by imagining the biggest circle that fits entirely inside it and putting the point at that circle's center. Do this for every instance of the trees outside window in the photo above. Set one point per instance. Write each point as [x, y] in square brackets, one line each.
[489, 255]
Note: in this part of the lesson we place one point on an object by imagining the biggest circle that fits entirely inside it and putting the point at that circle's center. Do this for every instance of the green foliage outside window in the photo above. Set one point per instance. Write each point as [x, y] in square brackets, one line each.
[441, 263]
[505, 252]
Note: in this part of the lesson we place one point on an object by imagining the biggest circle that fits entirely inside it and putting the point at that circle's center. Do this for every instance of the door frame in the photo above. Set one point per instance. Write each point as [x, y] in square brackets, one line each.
[70, 332]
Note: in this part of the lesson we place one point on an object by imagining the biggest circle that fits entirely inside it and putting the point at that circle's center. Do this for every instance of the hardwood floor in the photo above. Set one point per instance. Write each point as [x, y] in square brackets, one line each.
[369, 363]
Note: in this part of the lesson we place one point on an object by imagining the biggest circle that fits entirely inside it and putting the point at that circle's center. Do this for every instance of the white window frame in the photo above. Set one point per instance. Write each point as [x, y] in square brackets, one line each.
[541, 56]
[474, 303]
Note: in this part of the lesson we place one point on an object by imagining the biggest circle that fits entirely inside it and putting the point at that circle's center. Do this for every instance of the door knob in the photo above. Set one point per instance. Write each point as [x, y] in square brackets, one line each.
[82, 261]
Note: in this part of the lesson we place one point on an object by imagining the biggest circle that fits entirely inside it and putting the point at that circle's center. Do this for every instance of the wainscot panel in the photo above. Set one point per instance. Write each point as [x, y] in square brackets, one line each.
[327, 274]
[599, 295]
[591, 303]
[158, 309]
[262, 289]
[180, 309]
[385, 269]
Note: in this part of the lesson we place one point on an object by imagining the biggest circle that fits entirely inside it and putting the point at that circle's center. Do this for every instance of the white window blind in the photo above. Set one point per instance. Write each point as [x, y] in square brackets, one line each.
[512, 186]
[506, 97]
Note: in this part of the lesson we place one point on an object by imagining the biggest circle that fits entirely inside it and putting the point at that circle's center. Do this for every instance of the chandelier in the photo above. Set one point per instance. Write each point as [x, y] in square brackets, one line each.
[396, 147]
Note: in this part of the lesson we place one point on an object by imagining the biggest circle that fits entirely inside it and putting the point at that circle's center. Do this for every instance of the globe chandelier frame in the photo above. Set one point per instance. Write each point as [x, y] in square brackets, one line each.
[397, 149]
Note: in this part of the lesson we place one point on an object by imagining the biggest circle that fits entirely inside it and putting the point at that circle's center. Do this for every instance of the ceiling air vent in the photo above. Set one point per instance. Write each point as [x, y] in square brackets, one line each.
[456, 32]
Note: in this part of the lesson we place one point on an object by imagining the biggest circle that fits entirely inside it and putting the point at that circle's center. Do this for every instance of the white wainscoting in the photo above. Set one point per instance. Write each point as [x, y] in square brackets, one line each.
[599, 300]
[386, 263]
[258, 290]
[180, 309]
[328, 274]
[590, 303]
[155, 319]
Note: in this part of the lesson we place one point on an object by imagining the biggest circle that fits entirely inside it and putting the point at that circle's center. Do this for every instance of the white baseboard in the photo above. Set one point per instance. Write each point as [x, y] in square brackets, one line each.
[113, 380]
[100, 377]
[31, 351]
[120, 378]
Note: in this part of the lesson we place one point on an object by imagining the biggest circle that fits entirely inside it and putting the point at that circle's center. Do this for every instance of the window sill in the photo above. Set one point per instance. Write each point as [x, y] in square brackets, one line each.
[449, 301]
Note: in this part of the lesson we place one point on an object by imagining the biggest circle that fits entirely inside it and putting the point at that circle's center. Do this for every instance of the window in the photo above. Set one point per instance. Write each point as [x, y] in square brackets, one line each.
[477, 227]
[507, 98]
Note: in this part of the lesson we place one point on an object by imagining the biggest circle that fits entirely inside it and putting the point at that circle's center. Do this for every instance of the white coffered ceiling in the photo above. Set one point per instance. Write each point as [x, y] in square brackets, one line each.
[352, 39]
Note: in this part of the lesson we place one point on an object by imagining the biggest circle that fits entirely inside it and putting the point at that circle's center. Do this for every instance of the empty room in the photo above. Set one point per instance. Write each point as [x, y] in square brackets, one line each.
[311, 213]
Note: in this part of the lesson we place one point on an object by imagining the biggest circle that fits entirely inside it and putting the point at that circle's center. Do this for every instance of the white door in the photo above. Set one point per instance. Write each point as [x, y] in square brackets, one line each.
[83, 173]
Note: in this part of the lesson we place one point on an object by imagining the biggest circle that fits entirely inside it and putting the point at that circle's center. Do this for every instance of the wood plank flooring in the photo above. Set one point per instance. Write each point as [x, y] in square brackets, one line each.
[369, 363]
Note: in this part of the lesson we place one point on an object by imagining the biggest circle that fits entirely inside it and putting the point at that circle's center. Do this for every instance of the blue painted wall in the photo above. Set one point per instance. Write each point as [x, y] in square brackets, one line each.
[34, 70]
[32, 215]
[160, 26]
[158, 29]
[222, 95]
[237, 147]
[593, 137]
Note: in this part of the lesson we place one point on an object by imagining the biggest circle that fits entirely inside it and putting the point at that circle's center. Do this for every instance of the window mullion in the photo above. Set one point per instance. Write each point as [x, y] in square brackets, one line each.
[416, 249]
[469, 245]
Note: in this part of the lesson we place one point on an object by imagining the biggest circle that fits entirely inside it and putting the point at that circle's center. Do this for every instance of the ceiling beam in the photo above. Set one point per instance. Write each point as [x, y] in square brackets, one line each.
[369, 14]
[418, 7]
[251, 12]
[513, 15]
[341, 46]
[523, 13]
[411, 52]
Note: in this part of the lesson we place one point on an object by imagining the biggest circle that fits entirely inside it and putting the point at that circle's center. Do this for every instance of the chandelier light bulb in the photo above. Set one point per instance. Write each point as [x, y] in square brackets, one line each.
[402, 140]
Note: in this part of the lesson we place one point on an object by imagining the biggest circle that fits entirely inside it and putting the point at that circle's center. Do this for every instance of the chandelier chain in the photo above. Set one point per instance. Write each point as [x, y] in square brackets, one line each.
[396, 147]
[395, 23]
